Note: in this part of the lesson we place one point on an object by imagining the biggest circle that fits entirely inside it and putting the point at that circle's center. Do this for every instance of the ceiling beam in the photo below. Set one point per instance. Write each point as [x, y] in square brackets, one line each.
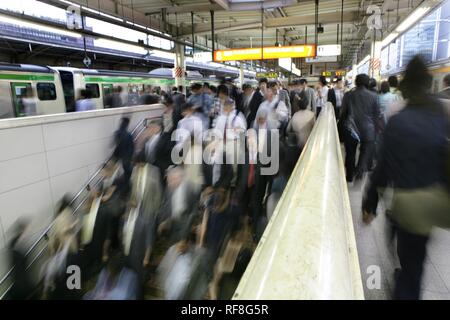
[280, 22]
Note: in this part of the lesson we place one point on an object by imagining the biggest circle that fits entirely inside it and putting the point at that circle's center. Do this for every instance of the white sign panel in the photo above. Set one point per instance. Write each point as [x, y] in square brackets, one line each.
[321, 59]
[202, 57]
[329, 50]
[296, 71]
[285, 63]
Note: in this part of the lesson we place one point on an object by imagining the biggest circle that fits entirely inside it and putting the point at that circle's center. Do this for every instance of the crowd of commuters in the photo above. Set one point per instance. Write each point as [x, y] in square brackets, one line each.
[177, 210]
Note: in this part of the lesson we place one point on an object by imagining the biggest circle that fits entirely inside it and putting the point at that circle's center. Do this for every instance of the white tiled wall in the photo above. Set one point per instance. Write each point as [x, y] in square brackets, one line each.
[40, 163]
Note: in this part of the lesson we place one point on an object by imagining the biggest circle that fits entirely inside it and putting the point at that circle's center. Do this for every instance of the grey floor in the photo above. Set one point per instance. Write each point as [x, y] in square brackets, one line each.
[375, 249]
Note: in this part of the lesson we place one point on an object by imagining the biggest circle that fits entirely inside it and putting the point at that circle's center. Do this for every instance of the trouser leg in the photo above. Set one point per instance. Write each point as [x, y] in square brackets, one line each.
[365, 158]
[350, 145]
[411, 249]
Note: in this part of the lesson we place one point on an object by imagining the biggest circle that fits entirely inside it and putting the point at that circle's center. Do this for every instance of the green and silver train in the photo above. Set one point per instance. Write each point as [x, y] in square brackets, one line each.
[55, 89]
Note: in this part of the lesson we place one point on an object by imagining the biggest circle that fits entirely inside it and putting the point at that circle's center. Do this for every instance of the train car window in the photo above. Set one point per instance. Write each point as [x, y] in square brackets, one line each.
[46, 91]
[94, 89]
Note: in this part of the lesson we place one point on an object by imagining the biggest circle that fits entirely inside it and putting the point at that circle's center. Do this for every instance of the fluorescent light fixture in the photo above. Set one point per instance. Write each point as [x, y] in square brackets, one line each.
[31, 25]
[412, 18]
[391, 37]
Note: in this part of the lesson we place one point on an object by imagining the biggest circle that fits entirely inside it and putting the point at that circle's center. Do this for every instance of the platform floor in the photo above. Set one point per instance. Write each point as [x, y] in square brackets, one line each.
[374, 248]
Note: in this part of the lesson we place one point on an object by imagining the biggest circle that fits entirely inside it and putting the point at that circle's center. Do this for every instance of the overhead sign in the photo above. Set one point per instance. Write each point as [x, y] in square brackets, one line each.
[270, 75]
[296, 71]
[321, 59]
[202, 57]
[329, 50]
[327, 73]
[340, 73]
[265, 53]
[285, 63]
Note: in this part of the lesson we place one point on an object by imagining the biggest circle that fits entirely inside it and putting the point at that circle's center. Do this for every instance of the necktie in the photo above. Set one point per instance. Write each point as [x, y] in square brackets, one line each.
[251, 175]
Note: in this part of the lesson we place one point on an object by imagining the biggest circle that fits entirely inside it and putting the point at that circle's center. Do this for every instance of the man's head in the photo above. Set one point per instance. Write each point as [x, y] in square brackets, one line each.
[362, 81]
[206, 88]
[247, 89]
[196, 88]
[175, 176]
[262, 84]
[222, 91]
[322, 81]
[393, 82]
[303, 83]
[446, 81]
[339, 84]
[296, 84]
[187, 109]
[272, 90]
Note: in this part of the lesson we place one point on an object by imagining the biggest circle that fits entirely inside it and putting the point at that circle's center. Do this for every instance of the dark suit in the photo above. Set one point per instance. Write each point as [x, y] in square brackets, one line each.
[253, 106]
[142, 239]
[361, 105]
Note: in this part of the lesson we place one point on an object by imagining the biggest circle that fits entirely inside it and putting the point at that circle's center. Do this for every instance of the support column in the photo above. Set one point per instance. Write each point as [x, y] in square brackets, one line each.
[241, 73]
[375, 63]
[179, 64]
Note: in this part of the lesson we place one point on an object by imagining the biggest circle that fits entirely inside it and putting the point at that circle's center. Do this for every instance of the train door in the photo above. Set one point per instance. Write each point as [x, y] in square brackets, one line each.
[18, 91]
[68, 89]
[107, 89]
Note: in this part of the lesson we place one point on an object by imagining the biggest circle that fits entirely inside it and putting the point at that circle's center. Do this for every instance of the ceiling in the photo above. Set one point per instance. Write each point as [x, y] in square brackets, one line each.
[238, 23]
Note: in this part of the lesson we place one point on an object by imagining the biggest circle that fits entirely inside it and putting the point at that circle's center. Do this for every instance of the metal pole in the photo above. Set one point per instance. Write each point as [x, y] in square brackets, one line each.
[316, 22]
[342, 27]
[212, 33]
[262, 37]
[193, 37]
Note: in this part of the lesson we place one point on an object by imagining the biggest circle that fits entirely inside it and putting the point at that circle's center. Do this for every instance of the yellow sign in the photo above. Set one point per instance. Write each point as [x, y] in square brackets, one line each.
[270, 75]
[326, 73]
[266, 53]
[340, 73]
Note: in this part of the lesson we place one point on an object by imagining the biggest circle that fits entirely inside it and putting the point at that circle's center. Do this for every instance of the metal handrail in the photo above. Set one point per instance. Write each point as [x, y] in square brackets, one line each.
[142, 123]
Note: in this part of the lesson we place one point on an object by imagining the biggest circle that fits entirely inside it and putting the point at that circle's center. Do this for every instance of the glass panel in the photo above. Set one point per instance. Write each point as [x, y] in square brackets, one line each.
[46, 91]
[93, 88]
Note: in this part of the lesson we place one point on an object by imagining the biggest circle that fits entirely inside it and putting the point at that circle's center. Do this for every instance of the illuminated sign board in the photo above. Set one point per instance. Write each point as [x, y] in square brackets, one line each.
[327, 73]
[321, 59]
[340, 73]
[265, 53]
[270, 75]
[329, 50]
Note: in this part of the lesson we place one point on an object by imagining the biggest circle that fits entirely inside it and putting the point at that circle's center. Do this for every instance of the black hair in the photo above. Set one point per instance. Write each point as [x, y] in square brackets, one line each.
[384, 87]
[64, 203]
[447, 80]
[263, 80]
[416, 81]
[213, 89]
[196, 86]
[168, 100]
[393, 81]
[124, 122]
[303, 81]
[174, 89]
[323, 80]
[372, 84]
[246, 86]
[272, 84]
[222, 89]
[206, 85]
[187, 106]
[362, 80]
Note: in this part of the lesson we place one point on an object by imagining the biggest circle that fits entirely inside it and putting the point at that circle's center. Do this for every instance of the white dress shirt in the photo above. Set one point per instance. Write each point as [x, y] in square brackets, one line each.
[89, 221]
